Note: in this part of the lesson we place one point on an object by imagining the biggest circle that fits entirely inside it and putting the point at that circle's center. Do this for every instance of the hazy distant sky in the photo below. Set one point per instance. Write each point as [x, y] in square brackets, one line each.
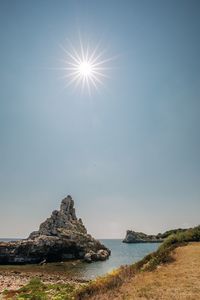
[130, 154]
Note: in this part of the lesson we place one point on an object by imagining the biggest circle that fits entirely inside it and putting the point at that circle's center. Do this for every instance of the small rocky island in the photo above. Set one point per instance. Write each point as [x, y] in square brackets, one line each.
[140, 237]
[61, 237]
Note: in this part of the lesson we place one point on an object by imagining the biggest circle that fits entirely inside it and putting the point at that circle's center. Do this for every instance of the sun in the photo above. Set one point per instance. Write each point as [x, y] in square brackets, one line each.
[85, 67]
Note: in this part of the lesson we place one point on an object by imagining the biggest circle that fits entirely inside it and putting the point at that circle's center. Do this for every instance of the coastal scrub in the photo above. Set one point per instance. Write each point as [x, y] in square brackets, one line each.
[148, 263]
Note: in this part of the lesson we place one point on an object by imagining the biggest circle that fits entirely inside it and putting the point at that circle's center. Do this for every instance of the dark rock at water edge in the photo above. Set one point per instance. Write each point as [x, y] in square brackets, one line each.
[61, 237]
[140, 237]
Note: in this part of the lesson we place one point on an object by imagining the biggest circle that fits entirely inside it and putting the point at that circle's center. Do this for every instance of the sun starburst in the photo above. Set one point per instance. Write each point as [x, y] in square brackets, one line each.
[85, 67]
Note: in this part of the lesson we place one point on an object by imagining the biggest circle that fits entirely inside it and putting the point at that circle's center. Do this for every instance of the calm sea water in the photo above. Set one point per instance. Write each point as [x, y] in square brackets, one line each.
[8, 239]
[121, 254]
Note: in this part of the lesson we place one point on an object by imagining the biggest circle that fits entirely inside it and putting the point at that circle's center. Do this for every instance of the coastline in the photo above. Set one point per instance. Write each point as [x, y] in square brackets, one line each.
[73, 270]
[178, 279]
[14, 278]
[166, 256]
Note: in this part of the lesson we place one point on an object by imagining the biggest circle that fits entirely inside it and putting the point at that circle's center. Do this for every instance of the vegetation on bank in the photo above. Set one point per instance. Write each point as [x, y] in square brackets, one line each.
[148, 263]
[36, 290]
[170, 232]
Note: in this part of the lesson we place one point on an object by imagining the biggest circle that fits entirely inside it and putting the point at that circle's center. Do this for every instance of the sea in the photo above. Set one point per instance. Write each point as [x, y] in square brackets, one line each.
[121, 254]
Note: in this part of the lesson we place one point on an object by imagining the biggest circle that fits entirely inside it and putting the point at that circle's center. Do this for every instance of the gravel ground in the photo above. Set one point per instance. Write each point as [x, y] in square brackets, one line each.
[13, 280]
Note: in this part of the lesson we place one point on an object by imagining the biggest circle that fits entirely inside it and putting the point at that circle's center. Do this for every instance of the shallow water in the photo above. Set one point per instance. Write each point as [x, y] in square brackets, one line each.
[121, 254]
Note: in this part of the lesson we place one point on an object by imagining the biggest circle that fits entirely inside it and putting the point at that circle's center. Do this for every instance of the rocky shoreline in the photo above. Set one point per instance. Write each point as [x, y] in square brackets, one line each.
[60, 238]
[14, 279]
[140, 237]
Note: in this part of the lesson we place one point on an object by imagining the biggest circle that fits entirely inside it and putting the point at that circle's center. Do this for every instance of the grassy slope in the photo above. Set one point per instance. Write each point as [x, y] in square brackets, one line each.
[178, 280]
[150, 262]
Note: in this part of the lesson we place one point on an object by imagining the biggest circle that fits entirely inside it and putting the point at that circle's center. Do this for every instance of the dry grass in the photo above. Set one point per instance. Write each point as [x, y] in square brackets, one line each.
[109, 285]
[179, 280]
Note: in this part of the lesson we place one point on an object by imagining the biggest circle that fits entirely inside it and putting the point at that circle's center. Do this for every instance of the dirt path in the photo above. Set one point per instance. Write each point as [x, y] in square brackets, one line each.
[179, 280]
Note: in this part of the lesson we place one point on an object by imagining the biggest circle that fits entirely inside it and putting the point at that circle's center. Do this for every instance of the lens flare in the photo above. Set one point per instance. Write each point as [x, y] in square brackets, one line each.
[85, 67]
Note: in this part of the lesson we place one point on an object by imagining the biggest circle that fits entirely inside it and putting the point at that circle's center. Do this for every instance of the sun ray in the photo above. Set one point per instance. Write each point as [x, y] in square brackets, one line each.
[98, 56]
[104, 61]
[73, 79]
[94, 82]
[94, 52]
[99, 74]
[74, 50]
[97, 79]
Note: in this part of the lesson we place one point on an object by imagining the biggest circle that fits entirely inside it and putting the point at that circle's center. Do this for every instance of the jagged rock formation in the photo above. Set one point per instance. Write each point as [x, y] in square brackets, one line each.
[140, 237]
[60, 237]
[61, 221]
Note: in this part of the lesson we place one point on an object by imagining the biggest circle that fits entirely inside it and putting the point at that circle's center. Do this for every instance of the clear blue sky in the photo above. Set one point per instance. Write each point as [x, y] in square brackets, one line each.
[128, 155]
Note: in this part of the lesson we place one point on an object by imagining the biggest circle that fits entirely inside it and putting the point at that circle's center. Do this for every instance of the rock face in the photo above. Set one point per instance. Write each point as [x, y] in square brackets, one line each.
[139, 237]
[60, 237]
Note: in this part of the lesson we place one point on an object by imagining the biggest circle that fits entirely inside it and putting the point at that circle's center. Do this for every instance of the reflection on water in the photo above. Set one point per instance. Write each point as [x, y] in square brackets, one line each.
[121, 254]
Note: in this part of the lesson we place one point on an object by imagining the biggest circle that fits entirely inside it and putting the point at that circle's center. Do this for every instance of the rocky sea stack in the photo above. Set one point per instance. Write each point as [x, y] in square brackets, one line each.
[140, 237]
[59, 238]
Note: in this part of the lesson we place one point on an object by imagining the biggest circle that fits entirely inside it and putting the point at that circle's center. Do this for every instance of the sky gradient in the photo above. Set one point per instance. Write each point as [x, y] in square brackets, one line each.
[128, 155]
